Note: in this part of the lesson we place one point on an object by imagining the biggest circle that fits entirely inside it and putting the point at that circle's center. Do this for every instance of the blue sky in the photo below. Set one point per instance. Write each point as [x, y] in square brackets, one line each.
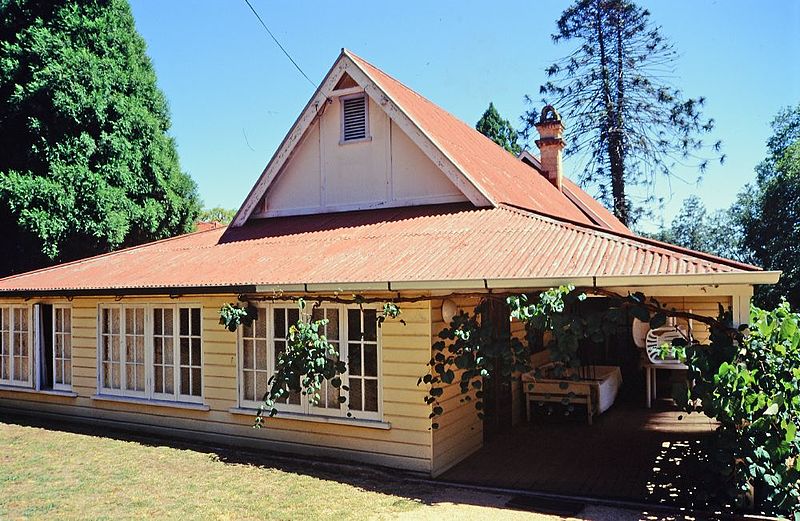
[233, 94]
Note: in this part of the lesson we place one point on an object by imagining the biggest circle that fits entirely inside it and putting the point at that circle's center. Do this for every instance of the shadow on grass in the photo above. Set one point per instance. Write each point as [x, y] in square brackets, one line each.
[391, 482]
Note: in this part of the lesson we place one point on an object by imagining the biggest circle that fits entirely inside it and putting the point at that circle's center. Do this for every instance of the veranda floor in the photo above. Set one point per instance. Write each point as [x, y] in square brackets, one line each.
[630, 453]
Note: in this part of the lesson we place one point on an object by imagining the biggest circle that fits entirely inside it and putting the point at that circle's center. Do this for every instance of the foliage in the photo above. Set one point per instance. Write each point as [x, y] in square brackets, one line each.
[233, 315]
[624, 117]
[217, 214]
[770, 211]
[750, 384]
[785, 133]
[470, 352]
[499, 130]
[389, 310]
[87, 165]
[550, 313]
[720, 233]
[308, 361]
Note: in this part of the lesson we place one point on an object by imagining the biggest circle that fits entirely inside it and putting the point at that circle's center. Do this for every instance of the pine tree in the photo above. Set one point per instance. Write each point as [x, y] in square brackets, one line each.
[87, 164]
[621, 114]
[499, 130]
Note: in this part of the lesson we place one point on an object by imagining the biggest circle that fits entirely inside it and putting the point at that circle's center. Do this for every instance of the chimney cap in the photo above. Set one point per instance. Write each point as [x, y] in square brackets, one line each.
[549, 115]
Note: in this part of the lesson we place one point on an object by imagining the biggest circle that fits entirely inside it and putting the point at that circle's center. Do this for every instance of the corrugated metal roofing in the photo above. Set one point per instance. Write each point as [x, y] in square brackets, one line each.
[500, 175]
[426, 243]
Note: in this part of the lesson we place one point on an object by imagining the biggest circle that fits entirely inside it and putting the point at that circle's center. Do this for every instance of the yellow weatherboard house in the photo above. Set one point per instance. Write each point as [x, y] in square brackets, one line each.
[375, 192]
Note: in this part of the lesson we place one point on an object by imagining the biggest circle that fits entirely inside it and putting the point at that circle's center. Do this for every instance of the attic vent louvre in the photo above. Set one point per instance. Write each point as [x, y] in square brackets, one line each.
[354, 118]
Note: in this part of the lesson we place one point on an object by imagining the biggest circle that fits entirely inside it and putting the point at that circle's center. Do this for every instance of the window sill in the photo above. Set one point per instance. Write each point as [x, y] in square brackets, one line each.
[154, 403]
[354, 141]
[317, 418]
[51, 392]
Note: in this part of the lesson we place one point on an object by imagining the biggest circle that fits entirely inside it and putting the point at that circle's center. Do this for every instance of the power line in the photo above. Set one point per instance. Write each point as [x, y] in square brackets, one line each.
[279, 43]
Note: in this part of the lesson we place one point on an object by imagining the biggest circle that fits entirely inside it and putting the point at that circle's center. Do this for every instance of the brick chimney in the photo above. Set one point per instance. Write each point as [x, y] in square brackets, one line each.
[550, 144]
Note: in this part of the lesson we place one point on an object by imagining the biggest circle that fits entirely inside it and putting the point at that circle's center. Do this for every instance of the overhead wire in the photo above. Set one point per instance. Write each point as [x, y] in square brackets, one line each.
[274, 39]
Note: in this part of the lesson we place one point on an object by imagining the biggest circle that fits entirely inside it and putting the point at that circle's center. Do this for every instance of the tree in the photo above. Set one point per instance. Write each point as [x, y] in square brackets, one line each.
[87, 164]
[689, 228]
[770, 210]
[217, 214]
[621, 113]
[499, 130]
[720, 233]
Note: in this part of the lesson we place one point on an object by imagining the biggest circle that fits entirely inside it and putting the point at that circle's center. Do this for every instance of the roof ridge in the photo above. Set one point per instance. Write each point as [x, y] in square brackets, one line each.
[708, 257]
[109, 253]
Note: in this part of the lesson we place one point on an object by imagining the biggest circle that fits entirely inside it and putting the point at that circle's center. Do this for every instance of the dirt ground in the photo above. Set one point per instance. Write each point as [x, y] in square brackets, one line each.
[467, 505]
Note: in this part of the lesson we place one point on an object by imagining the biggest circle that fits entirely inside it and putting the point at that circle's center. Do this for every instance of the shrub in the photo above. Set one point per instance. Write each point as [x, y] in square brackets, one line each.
[749, 381]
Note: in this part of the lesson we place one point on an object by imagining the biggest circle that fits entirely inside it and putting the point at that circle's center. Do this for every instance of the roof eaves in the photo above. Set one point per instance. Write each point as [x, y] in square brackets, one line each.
[110, 253]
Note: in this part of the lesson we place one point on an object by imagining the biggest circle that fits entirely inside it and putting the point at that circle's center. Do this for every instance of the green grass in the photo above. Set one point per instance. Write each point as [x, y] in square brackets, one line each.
[53, 474]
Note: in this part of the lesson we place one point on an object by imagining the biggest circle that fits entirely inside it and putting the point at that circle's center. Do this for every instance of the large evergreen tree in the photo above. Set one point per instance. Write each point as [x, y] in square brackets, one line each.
[770, 210]
[87, 165]
[498, 129]
[621, 113]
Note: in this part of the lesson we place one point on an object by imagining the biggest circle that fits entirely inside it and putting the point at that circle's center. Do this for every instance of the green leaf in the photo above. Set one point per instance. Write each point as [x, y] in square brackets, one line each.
[658, 320]
[791, 432]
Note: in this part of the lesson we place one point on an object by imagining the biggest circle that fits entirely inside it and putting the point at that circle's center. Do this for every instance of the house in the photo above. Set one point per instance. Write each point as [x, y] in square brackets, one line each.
[375, 191]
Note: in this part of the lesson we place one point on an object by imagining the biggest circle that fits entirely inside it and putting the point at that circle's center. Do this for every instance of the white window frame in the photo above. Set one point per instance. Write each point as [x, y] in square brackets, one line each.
[66, 309]
[367, 135]
[12, 380]
[304, 407]
[149, 369]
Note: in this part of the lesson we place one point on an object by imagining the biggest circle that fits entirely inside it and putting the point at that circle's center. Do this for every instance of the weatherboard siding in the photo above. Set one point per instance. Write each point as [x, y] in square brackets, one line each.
[460, 431]
[405, 352]
[705, 306]
[324, 175]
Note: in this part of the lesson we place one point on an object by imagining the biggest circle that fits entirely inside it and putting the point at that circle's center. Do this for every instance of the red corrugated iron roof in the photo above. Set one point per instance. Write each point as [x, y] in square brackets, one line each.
[426, 243]
[501, 176]
[594, 209]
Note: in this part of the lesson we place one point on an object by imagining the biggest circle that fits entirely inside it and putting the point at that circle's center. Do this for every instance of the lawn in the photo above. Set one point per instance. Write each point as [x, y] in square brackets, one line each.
[47, 473]
[54, 474]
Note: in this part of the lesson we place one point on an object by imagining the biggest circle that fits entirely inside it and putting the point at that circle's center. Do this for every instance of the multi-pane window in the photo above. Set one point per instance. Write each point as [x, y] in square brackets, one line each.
[158, 347]
[362, 359]
[352, 331]
[190, 376]
[163, 351]
[36, 346]
[283, 319]
[255, 371]
[329, 395]
[62, 347]
[15, 352]
[122, 350]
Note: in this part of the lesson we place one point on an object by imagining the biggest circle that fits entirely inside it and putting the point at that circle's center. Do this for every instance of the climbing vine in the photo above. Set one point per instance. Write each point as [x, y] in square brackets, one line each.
[470, 352]
[234, 315]
[309, 359]
[303, 367]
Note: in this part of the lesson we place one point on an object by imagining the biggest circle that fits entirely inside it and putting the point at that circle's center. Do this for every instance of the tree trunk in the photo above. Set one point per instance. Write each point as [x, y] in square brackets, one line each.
[617, 136]
[611, 133]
